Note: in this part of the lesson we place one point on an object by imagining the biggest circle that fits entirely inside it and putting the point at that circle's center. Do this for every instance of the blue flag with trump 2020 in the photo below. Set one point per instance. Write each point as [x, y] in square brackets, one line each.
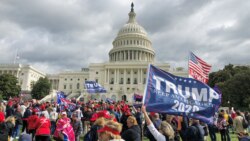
[94, 87]
[167, 93]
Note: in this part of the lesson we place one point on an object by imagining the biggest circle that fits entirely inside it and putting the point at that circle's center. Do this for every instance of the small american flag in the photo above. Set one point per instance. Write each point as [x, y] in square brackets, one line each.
[198, 69]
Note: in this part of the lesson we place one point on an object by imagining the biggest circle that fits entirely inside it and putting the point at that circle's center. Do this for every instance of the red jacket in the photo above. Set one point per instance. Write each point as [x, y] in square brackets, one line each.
[2, 118]
[32, 122]
[43, 126]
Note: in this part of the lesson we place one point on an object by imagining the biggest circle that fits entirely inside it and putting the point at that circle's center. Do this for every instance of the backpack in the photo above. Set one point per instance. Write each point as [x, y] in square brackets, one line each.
[191, 132]
[27, 113]
[244, 123]
[2, 128]
[87, 137]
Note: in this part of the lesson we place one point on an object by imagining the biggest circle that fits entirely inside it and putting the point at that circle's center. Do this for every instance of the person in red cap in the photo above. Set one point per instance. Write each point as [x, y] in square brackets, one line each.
[113, 112]
[9, 109]
[31, 122]
[110, 132]
[42, 128]
[125, 114]
[99, 120]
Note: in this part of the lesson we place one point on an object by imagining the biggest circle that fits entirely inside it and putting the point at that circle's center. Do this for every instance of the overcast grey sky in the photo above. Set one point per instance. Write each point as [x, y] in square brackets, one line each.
[59, 35]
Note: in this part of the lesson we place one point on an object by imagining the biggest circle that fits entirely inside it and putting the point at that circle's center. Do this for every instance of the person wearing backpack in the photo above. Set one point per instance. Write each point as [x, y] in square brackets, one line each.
[247, 116]
[195, 132]
[244, 122]
[238, 123]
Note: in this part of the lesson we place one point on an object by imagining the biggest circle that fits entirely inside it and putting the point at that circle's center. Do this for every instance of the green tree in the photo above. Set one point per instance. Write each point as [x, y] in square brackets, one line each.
[234, 83]
[41, 88]
[237, 90]
[9, 86]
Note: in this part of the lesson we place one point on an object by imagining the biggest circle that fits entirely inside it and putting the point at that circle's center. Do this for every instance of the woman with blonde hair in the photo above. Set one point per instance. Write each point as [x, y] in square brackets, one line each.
[110, 132]
[165, 133]
[6, 128]
[99, 120]
[133, 133]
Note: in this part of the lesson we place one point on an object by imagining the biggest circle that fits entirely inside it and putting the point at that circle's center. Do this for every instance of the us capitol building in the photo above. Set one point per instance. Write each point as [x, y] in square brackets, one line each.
[123, 76]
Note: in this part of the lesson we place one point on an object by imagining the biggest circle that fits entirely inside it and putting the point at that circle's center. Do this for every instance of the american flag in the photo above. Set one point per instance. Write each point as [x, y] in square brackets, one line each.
[198, 69]
[68, 104]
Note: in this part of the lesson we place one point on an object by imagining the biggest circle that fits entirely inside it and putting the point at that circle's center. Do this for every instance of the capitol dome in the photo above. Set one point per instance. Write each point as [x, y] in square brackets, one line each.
[132, 43]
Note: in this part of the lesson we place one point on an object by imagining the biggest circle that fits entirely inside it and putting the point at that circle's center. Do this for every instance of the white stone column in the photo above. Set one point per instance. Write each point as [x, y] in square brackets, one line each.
[120, 55]
[123, 52]
[138, 76]
[139, 55]
[128, 54]
[132, 54]
[135, 55]
[124, 77]
[141, 75]
[108, 76]
[132, 76]
[115, 77]
[118, 76]
[105, 76]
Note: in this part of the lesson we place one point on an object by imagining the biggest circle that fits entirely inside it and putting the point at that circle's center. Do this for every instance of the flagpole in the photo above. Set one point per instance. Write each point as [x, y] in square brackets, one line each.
[15, 57]
[188, 63]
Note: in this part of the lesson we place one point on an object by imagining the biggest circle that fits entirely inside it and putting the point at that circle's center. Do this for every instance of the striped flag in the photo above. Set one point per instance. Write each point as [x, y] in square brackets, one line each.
[60, 95]
[67, 104]
[198, 69]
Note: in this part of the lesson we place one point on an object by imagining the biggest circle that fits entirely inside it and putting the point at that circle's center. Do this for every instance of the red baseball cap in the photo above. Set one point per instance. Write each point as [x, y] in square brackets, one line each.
[103, 113]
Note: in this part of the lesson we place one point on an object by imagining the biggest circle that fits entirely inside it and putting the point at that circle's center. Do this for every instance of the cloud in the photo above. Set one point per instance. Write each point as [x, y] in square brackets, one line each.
[68, 35]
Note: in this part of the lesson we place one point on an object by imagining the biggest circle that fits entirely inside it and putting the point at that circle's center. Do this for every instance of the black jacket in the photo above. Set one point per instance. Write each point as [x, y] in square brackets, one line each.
[18, 117]
[132, 134]
[195, 133]
[5, 130]
[92, 134]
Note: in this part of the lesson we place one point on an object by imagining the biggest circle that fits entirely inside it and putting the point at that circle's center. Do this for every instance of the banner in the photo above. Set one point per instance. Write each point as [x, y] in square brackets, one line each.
[109, 100]
[60, 95]
[138, 97]
[93, 87]
[166, 93]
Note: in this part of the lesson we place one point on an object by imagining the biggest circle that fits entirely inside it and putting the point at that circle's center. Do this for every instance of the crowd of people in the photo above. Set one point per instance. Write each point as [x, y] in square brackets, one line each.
[111, 121]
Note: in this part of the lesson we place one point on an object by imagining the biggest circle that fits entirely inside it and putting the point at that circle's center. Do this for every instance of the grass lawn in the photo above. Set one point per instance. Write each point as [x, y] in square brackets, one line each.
[218, 138]
[233, 137]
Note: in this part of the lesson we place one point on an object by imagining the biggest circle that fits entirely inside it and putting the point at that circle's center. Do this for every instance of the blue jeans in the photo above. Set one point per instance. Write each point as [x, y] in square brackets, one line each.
[16, 131]
[212, 133]
[227, 135]
[53, 127]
